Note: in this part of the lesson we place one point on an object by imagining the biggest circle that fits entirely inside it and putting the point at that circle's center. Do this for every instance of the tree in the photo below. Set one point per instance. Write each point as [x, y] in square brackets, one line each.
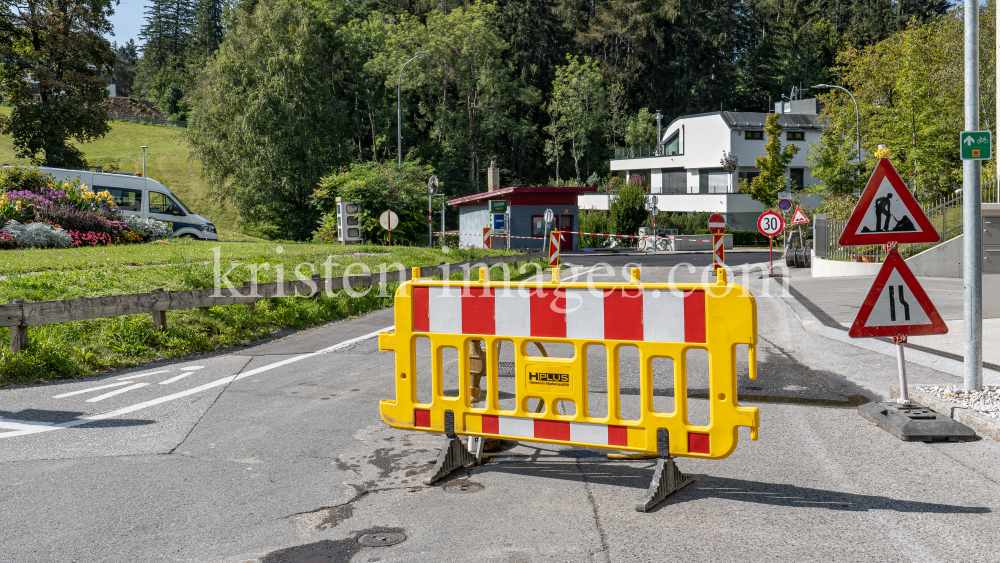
[52, 72]
[126, 57]
[771, 181]
[641, 130]
[270, 121]
[207, 30]
[163, 73]
[628, 211]
[579, 104]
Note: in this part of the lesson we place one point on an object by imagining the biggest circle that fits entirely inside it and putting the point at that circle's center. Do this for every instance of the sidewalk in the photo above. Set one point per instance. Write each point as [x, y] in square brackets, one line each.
[828, 306]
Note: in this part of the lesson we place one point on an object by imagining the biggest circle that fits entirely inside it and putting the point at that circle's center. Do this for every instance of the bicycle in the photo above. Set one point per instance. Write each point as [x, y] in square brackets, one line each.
[652, 243]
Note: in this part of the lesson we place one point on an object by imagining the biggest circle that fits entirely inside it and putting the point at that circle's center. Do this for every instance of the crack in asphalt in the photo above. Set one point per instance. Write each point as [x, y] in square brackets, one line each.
[215, 400]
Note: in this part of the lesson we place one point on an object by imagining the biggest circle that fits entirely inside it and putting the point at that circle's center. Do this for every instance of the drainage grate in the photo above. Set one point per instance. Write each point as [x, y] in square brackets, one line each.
[463, 487]
[382, 539]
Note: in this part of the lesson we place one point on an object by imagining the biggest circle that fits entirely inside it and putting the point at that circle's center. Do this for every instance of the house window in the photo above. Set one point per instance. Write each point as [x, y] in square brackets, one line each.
[537, 226]
[713, 182]
[754, 135]
[673, 144]
[796, 136]
[675, 181]
[798, 176]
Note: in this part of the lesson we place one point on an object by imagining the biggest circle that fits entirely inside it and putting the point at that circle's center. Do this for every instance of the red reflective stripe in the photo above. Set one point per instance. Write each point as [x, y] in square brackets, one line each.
[477, 311]
[421, 302]
[617, 436]
[491, 424]
[548, 314]
[623, 314]
[699, 444]
[552, 430]
[421, 418]
[694, 316]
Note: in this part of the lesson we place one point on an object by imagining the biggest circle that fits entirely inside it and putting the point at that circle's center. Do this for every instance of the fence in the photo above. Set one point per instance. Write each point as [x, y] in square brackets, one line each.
[141, 119]
[945, 214]
[19, 315]
[638, 152]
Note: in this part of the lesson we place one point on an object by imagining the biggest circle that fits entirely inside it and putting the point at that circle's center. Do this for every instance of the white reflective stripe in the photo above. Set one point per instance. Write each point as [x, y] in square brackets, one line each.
[662, 316]
[585, 314]
[444, 309]
[521, 427]
[588, 433]
[512, 312]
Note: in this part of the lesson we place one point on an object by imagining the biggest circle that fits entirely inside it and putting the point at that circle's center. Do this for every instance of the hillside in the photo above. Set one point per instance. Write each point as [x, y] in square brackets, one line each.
[166, 161]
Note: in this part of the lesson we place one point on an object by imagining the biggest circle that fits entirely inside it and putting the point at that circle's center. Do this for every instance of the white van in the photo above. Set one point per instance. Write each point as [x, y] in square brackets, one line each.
[144, 197]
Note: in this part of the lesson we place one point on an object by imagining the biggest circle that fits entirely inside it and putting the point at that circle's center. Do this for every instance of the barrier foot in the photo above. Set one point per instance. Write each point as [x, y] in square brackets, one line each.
[666, 479]
[453, 455]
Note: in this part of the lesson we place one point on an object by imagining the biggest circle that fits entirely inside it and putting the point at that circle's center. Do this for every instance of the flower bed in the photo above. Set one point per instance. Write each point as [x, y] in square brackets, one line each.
[38, 212]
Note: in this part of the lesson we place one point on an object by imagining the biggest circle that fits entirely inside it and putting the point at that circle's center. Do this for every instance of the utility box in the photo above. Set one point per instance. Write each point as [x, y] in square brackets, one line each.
[348, 222]
[991, 239]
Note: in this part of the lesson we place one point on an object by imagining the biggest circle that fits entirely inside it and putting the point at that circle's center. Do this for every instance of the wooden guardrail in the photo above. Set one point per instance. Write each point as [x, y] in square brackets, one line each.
[19, 315]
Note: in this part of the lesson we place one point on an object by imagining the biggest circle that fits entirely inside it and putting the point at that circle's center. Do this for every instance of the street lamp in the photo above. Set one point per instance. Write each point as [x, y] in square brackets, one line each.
[144, 147]
[857, 113]
[399, 111]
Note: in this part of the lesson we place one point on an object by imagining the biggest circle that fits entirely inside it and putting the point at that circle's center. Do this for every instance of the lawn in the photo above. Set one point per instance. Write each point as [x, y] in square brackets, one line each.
[167, 161]
[87, 347]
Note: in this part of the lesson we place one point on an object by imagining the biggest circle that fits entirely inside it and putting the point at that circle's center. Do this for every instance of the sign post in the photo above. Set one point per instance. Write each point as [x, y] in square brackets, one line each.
[555, 237]
[389, 221]
[770, 224]
[717, 226]
[549, 216]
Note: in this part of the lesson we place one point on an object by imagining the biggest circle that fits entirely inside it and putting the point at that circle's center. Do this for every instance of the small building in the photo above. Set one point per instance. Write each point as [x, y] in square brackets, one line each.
[527, 207]
[685, 171]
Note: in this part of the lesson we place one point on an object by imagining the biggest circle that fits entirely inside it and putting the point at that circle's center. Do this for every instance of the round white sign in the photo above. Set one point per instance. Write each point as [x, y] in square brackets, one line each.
[770, 224]
[388, 220]
[548, 216]
[655, 210]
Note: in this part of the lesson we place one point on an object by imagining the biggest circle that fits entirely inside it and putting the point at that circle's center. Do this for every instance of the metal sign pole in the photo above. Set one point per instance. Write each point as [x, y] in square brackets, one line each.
[770, 261]
[972, 199]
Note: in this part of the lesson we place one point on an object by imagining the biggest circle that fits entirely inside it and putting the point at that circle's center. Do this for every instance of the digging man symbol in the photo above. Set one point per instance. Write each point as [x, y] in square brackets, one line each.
[882, 208]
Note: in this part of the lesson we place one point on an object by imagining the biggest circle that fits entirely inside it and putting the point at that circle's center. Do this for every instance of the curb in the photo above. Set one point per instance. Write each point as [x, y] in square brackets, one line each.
[980, 423]
[917, 357]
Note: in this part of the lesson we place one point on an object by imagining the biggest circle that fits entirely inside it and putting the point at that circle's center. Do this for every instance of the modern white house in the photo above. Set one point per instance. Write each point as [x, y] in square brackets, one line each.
[686, 173]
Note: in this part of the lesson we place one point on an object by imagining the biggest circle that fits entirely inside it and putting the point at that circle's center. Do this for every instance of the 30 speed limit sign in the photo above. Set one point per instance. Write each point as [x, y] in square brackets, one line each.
[770, 224]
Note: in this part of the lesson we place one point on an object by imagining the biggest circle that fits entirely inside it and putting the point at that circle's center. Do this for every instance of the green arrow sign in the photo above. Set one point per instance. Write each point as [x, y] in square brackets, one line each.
[976, 145]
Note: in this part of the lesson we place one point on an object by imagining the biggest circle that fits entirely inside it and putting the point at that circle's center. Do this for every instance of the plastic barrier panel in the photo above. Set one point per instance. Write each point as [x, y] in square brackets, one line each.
[660, 320]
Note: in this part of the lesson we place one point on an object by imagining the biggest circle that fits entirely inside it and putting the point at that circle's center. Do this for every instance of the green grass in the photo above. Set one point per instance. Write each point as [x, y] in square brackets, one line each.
[167, 161]
[86, 347]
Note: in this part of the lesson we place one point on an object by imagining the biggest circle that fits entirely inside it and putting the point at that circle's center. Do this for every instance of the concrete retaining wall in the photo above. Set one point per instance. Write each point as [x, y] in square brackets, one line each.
[677, 243]
[941, 261]
[823, 268]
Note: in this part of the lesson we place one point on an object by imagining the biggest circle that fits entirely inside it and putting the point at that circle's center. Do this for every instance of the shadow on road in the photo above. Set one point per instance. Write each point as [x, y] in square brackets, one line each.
[59, 417]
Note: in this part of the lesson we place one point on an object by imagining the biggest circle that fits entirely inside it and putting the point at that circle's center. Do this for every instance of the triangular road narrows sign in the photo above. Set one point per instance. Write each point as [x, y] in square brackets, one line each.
[896, 305]
[887, 212]
[799, 217]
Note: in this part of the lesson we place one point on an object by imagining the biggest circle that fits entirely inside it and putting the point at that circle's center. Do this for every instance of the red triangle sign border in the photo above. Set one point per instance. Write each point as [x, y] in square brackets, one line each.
[894, 262]
[799, 218]
[885, 170]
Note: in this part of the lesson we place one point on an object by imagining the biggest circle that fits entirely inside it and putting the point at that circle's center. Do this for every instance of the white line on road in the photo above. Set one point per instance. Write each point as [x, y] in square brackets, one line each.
[82, 391]
[175, 378]
[116, 392]
[192, 367]
[142, 375]
[180, 394]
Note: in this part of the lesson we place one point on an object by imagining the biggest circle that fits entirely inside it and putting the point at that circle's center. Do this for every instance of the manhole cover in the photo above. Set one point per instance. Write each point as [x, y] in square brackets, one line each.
[382, 539]
[463, 488]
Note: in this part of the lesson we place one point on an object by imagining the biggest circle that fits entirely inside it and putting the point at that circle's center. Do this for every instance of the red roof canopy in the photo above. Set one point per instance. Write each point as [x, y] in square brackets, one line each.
[527, 195]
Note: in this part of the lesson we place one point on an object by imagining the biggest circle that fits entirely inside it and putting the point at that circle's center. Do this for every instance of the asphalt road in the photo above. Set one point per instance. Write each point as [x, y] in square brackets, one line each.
[277, 453]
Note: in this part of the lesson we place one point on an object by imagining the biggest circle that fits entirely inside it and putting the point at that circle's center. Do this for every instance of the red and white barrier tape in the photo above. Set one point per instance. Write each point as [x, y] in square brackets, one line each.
[667, 237]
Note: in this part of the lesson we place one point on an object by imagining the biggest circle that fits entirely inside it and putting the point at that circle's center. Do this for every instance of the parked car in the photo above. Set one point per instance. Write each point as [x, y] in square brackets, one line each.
[144, 197]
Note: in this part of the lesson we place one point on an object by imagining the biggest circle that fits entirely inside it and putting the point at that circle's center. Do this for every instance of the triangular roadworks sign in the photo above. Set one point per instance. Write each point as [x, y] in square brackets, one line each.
[799, 217]
[896, 305]
[887, 212]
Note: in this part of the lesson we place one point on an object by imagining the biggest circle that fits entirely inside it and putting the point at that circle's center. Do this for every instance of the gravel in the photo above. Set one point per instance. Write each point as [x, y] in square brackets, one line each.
[985, 402]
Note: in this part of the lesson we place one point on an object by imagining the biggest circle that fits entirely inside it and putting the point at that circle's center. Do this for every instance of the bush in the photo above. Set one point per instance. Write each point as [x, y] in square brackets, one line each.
[7, 242]
[39, 362]
[22, 178]
[38, 235]
[595, 222]
[748, 238]
[628, 211]
[73, 219]
[150, 228]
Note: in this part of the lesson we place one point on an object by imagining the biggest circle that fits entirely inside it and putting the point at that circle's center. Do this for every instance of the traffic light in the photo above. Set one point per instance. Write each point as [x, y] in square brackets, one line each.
[348, 222]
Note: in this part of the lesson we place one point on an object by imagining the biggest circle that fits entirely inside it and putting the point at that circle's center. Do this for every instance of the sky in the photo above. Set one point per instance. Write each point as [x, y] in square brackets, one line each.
[127, 20]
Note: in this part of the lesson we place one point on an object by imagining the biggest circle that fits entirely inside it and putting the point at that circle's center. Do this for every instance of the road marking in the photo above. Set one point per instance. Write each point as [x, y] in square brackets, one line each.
[180, 394]
[82, 391]
[116, 392]
[173, 379]
[192, 367]
[23, 424]
[142, 375]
